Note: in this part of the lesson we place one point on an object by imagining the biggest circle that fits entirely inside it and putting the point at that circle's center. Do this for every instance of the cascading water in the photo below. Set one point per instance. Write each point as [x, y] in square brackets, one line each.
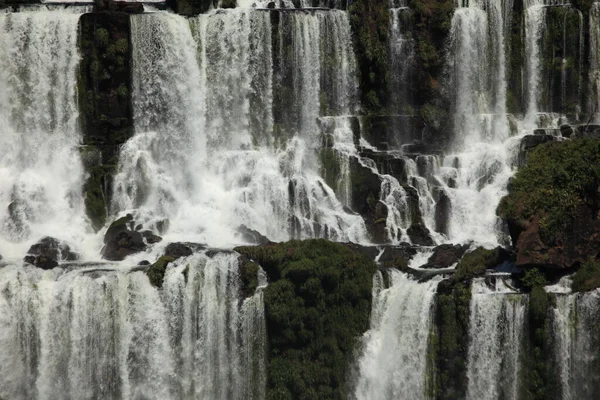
[595, 60]
[576, 337]
[204, 156]
[402, 57]
[535, 16]
[497, 320]
[40, 169]
[97, 332]
[393, 362]
[477, 41]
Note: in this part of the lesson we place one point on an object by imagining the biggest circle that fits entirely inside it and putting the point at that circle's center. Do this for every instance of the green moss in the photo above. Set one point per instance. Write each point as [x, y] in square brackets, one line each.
[559, 178]
[475, 263]
[156, 272]
[316, 305]
[587, 277]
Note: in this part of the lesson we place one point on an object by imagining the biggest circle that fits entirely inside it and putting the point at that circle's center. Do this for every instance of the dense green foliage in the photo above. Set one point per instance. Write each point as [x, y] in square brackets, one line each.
[452, 341]
[537, 371]
[587, 277]
[559, 178]
[104, 96]
[248, 276]
[475, 263]
[317, 304]
[370, 27]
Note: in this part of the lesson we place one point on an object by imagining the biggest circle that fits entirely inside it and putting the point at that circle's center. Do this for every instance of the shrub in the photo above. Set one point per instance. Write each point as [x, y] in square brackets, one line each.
[316, 305]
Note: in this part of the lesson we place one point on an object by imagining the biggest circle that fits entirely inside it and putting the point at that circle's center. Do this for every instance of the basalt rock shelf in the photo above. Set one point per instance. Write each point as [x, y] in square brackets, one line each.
[299, 199]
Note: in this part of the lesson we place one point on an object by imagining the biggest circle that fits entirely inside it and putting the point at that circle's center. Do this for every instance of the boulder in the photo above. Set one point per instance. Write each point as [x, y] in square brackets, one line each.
[446, 255]
[47, 252]
[566, 131]
[251, 235]
[420, 235]
[530, 142]
[121, 241]
[150, 237]
[177, 250]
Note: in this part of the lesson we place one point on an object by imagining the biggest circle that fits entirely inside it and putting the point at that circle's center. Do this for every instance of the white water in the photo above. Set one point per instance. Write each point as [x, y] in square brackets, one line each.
[535, 17]
[393, 361]
[496, 329]
[595, 60]
[402, 59]
[205, 155]
[80, 335]
[576, 339]
[477, 41]
[40, 169]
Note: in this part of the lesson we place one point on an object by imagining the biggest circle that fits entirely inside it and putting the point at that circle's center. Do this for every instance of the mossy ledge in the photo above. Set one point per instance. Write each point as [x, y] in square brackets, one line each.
[553, 204]
[316, 305]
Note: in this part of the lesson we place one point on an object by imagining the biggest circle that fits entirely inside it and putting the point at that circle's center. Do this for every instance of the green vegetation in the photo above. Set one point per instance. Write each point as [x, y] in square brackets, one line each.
[452, 315]
[317, 304]
[370, 27]
[587, 277]
[533, 278]
[558, 179]
[475, 263]
[248, 276]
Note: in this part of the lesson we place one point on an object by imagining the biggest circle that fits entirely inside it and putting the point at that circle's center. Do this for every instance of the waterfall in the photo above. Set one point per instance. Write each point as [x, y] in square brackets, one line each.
[206, 154]
[96, 333]
[402, 59]
[535, 17]
[477, 41]
[595, 60]
[393, 363]
[576, 337]
[497, 320]
[40, 169]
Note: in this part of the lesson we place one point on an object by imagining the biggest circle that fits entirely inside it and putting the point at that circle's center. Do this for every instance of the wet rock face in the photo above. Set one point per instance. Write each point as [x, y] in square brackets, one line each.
[121, 240]
[251, 235]
[446, 255]
[420, 235]
[46, 253]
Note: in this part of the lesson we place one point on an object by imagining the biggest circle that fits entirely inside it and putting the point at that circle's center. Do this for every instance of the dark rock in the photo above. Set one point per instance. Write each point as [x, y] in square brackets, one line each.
[42, 262]
[443, 209]
[118, 6]
[162, 226]
[403, 251]
[420, 235]
[566, 131]
[178, 250]
[120, 241]
[446, 255]
[251, 235]
[150, 237]
[144, 262]
[48, 252]
[530, 142]
[370, 252]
